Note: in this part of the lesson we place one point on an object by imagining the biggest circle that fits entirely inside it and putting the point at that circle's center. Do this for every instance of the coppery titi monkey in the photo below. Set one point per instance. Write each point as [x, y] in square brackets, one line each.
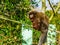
[40, 22]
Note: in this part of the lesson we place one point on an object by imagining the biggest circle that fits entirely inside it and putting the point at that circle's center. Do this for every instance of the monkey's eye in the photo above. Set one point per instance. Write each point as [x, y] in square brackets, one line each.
[32, 20]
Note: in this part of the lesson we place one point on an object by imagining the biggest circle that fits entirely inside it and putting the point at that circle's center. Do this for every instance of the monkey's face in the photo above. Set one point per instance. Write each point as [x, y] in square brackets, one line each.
[35, 21]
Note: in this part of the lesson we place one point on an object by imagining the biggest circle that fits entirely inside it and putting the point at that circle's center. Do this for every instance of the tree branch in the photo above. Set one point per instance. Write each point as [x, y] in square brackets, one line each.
[52, 10]
[57, 7]
[58, 32]
[51, 6]
[2, 17]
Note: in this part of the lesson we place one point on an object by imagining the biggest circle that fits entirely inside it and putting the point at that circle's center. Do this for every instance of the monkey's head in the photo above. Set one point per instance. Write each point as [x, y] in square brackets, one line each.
[33, 15]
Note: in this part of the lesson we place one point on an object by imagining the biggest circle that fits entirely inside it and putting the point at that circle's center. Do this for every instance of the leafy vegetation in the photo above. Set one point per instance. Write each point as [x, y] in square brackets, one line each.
[14, 14]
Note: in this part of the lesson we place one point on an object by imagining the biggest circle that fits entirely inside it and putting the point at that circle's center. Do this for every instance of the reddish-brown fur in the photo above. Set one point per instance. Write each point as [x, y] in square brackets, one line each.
[40, 22]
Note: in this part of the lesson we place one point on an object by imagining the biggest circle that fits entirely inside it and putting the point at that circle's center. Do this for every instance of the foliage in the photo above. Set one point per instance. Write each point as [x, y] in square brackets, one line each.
[13, 13]
[51, 36]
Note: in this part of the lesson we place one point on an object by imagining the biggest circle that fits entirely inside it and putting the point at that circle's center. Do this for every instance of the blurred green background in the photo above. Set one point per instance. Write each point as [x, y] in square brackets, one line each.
[14, 14]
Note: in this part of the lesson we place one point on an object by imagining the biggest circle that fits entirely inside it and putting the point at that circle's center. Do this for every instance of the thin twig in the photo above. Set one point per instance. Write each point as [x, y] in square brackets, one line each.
[51, 6]
[52, 10]
[2, 17]
[58, 32]
[57, 7]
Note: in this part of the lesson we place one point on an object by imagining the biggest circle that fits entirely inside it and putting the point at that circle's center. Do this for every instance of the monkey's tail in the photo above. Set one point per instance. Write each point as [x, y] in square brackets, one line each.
[43, 38]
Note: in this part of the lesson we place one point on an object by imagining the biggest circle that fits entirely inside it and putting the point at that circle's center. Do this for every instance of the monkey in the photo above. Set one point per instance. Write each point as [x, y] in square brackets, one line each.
[40, 22]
